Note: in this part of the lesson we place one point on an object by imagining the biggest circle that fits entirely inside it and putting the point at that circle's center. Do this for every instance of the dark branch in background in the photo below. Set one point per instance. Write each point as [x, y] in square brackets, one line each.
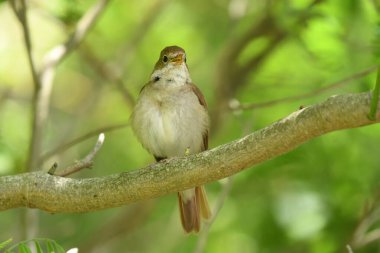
[366, 232]
[43, 82]
[308, 94]
[60, 194]
[106, 73]
[127, 53]
[202, 239]
[29, 219]
[4, 94]
[57, 54]
[114, 74]
[20, 10]
[224, 193]
[41, 99]
[80, 139]
[123, 224]
[232, 76]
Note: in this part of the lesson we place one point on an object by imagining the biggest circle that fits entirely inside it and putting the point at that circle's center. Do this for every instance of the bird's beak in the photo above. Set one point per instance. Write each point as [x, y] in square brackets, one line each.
[178, 59]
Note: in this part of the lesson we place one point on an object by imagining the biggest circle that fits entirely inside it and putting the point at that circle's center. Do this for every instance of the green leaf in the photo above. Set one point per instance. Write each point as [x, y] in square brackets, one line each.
[22, 248]
[50, 246]
[58, 248]
[4, 244]
[375, 98]
[38, 247]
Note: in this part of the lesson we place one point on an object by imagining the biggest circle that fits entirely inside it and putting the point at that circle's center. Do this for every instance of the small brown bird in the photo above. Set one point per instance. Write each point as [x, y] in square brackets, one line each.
[170, 119]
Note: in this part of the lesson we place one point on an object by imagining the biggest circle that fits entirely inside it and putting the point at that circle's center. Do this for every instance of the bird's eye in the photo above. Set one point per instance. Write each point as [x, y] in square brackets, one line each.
[165, 58]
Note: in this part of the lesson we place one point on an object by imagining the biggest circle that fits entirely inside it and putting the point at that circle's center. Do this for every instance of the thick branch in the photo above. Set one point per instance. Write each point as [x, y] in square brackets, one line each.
[57, 194]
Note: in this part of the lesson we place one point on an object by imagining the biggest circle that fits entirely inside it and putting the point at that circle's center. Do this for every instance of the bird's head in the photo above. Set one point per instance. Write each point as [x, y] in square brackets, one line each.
[172, 56]
[171, 66]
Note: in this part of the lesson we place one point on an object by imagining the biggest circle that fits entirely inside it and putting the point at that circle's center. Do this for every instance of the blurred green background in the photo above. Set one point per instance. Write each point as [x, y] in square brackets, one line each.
[317, 198]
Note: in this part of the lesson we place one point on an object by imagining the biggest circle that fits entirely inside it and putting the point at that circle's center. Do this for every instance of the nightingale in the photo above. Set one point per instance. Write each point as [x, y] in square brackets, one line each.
[170, 119]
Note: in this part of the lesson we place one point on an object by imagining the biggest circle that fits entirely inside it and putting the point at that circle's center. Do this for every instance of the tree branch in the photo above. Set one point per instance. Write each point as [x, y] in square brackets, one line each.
[86, 162]
[41, 99]
[57, 194]
[106, 73]
[310, 94]
[80, 139]
[57, 54]
[232, 76]
[203, 236]
[122, 225]
[20, 10]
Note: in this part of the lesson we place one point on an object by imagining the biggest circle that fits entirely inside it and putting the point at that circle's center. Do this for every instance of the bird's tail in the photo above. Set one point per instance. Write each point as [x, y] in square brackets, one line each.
[193, 205]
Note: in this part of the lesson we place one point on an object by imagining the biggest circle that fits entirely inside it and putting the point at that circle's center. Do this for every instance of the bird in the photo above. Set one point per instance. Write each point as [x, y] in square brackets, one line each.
[171, 119]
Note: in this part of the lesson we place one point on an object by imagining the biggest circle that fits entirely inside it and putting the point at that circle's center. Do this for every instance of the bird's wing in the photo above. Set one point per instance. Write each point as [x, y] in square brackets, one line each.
[202, 101]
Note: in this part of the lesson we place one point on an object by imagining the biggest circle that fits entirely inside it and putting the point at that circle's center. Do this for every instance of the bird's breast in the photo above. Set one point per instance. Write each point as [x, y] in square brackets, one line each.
[172, 122]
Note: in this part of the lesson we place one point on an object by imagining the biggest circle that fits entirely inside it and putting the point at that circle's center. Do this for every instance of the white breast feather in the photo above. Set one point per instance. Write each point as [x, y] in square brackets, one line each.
[171, 116]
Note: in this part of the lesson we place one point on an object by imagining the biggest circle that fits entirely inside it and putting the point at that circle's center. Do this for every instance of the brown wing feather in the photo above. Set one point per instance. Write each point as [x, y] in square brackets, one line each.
[189, 213]
[199, 94]
[201, 198]
[202, 101]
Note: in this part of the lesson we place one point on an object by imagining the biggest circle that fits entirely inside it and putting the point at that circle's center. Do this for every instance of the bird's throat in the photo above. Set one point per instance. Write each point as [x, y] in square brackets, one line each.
[171, 76]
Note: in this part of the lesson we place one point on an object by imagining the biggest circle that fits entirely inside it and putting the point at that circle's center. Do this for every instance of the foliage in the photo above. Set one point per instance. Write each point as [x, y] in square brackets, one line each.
[40, 245]
[375, 97]
[239, 52]
[5, 243]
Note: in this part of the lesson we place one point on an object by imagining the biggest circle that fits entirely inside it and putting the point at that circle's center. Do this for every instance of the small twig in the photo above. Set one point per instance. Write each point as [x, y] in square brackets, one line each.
[375, 97]
[370, 237]
[86, 162]
[361, 235]
[202, 240]
[80, 139]
[308, 94]
[53, 169]
[349, 249]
